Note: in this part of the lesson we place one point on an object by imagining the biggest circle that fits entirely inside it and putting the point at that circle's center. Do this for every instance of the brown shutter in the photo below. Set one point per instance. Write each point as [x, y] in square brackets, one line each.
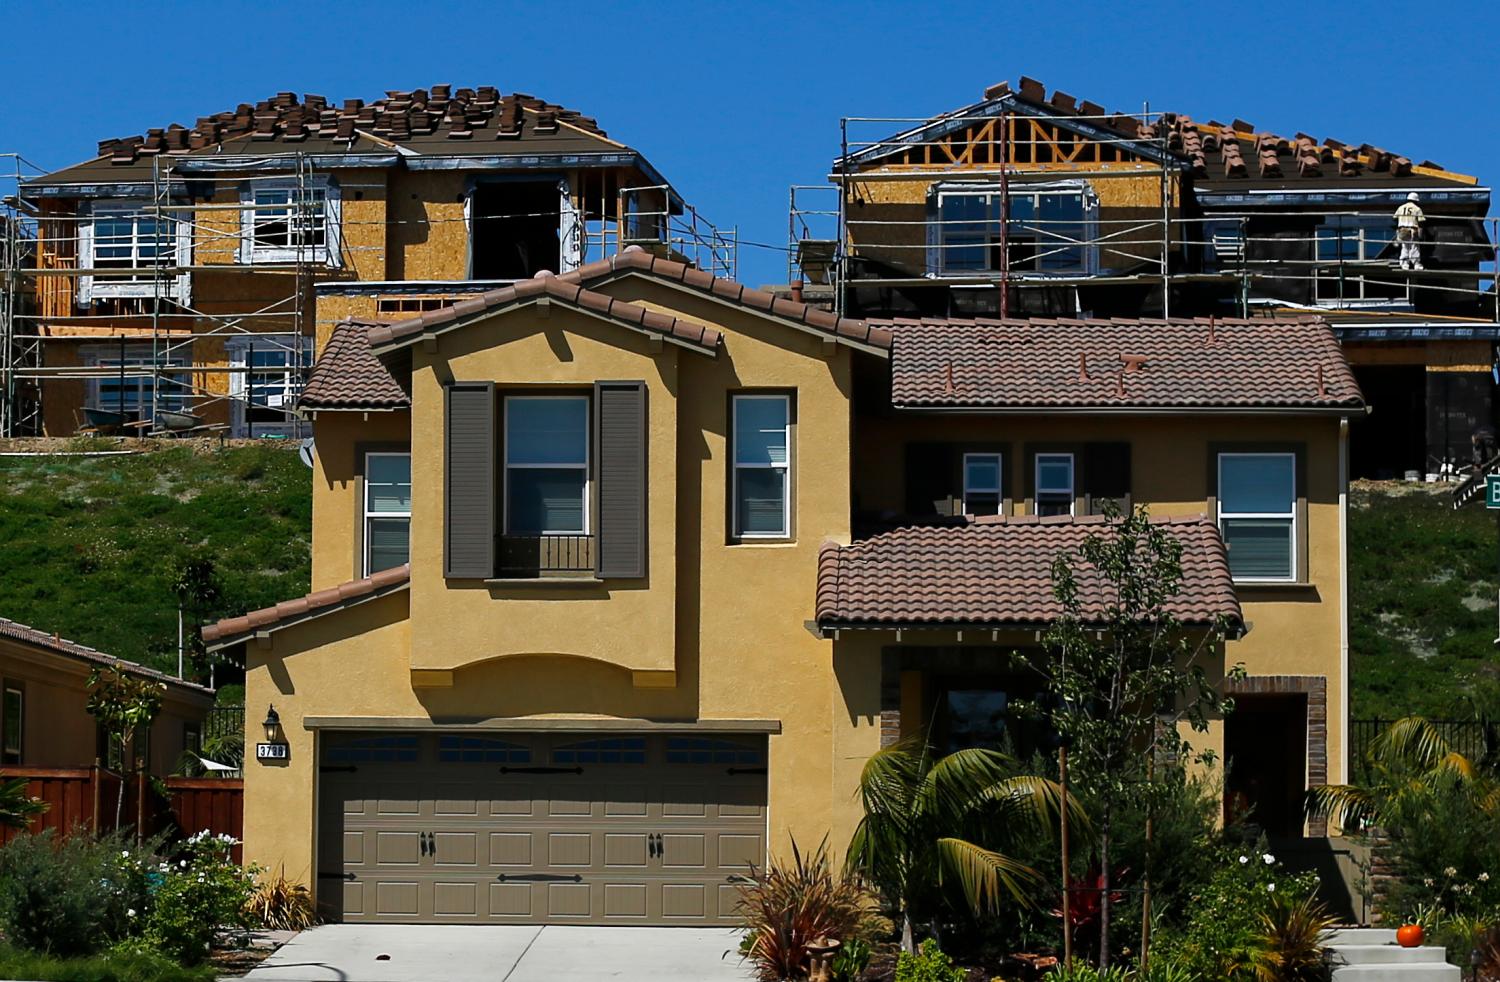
[469, 480]
[620, 470]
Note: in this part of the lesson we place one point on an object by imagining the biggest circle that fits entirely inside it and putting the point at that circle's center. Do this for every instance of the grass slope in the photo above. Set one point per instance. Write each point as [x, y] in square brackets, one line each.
[88, 544]
[1422, 623]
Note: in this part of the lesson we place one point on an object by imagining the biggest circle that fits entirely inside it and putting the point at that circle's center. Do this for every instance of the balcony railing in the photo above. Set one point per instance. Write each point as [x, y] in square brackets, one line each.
[521, 556]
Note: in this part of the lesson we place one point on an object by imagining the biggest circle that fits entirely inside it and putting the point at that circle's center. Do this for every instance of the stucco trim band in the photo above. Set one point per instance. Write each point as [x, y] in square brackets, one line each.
[523, 723]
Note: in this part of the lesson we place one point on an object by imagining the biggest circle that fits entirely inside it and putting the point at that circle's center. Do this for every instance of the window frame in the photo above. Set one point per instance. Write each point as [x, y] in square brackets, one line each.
[998, 490]
[368, 515]
[176, 396]
[587, 466]
[785, 532]
[239, 349]
[1037, 491]
[8, 755]
[330, 252]
[949, 236]
[175, 245]
[1294, 538]
[1351, 288]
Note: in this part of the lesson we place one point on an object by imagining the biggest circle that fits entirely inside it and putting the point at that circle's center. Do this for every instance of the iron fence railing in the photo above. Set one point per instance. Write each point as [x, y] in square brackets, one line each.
[223, 721]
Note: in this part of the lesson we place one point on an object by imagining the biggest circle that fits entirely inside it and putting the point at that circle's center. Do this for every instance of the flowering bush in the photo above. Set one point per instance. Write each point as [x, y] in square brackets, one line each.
[72, 896]
[198, 893]
[1227, 919]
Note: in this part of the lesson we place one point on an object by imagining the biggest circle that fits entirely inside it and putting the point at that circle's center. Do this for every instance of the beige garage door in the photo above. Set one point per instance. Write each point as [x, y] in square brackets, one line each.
[539, 828]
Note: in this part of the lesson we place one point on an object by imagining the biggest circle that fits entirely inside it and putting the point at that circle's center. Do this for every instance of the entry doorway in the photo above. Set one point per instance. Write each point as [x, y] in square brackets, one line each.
[515, 229]
[1265, 744]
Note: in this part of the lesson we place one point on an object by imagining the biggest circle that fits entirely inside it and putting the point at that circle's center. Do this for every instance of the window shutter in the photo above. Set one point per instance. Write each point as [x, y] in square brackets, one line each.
[931, 470]
[620, 421]
[469, 484]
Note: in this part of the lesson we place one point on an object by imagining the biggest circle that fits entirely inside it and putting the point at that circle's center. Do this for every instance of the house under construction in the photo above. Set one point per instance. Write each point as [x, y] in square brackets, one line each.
[181, 281]
[1026, 204]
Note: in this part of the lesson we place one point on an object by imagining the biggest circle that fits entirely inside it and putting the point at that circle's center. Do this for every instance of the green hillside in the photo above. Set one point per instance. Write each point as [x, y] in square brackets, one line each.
[1422, 620]
[89, 546]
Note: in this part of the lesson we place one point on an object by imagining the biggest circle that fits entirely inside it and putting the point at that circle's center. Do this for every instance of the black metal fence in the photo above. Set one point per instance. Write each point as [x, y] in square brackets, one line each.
[1476, 739]
[224, 720]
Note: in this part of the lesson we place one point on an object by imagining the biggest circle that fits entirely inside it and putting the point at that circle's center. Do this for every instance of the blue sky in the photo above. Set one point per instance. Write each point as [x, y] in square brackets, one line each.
[734, 102]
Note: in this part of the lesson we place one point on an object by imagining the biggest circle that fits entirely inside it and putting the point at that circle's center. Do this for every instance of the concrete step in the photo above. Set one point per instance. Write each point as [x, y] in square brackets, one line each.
[1362, 935]
[1413, 972]
[1385, 954]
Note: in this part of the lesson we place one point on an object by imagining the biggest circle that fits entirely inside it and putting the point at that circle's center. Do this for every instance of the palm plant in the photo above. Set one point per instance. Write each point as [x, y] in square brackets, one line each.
[16, 805]
[922, 812]
[1409, 764]
[1291, 943]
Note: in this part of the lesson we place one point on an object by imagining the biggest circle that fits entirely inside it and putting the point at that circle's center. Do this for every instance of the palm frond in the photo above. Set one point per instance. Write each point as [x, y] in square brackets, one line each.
[1346, 805]
[888, 781]
[1037, 800]
[957, 781]
[985, 876]
[1412, 739]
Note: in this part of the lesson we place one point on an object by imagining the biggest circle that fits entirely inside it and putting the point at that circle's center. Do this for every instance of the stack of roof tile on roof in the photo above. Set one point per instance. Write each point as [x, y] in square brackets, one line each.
[462, 114]
[997, 572]
[349, 376]
[51, 642]
[1233, 143]
[320, 601]
[1119, 364]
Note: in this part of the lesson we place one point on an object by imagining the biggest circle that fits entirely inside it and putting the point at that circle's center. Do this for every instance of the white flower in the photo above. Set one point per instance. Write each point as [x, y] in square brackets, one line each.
[1270, 888]
[1483, 877]
[1244, 860]
[1268, 859]
[130, 912]
[1450, 871]
[182, 863]
[1429, 881]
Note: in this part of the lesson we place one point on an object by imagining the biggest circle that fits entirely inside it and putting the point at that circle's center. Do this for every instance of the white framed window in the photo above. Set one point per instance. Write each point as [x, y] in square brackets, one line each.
[14, 713]
[387, 511]
[982, 483]
[762, 493]
[1257, 504]
[1048, 228]
[1054, 484]
[266, 383]
[1342, 245]
[283, 222]
[127, 236]
[127, 386]
[547, 465]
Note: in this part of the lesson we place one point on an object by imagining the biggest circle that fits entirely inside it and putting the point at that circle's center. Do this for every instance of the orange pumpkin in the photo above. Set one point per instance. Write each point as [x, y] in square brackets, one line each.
[1409, 935]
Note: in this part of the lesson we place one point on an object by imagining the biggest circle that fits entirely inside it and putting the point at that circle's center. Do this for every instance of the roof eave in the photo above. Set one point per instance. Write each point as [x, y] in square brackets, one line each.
[829, 628]
[1351, 409]
[265, 631]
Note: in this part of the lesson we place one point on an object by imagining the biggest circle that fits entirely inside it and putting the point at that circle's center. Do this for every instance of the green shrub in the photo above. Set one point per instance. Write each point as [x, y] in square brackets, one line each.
[790, 905]
[1289, 947]
[203, 892]
[71, 896]
[1084, 972]
[113, 966]
[929, 964]
[280, 904]
[1456, 873]
[851, 961]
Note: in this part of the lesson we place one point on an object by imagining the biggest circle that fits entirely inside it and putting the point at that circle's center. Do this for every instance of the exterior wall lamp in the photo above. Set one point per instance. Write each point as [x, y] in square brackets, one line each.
[272, 725]
[275, 747]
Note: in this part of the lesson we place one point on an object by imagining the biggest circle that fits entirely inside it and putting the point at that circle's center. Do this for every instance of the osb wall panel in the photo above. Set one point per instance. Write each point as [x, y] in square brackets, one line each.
[1458, 356]
[1386, 353]
[328, 311]
[428, 240]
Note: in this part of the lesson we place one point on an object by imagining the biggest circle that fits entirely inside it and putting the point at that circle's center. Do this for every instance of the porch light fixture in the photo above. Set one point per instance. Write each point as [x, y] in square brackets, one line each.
[272, 725]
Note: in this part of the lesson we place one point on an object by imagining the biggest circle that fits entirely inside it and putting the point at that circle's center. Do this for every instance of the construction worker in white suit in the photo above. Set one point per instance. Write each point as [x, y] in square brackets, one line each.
[1409, 219]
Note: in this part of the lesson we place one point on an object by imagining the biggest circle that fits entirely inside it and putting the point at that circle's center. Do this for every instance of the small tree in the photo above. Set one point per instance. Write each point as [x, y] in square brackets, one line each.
[123, 704]
[195, 583]
[1122, 673]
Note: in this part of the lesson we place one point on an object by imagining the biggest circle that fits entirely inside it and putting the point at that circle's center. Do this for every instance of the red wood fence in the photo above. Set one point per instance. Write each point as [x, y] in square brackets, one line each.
[87, 798]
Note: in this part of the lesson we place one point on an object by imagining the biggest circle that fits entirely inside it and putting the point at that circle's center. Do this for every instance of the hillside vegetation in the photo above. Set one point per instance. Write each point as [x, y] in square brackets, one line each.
[90, 545]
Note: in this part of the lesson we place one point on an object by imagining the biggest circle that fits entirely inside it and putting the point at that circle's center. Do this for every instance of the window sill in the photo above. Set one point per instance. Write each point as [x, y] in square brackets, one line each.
[1270, 586]
[589, 580]
[767, 541]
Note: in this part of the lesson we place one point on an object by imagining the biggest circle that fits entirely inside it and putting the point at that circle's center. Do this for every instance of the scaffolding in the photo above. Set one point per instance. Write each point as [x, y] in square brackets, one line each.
[1341, 258]
[152, 318]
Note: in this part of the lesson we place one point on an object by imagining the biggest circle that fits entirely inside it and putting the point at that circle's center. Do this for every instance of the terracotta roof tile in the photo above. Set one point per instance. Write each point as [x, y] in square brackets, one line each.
[349, 376]
[997, 572]
[1183, 364]
[314, 604]
[26, 634]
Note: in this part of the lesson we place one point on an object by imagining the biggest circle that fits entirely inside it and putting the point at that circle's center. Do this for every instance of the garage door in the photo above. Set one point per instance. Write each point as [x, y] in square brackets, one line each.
[539, 828]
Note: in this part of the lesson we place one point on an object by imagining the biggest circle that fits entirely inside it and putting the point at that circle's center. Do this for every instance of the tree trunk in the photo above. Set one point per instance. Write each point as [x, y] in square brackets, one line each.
[907, 942]
[1104, 885]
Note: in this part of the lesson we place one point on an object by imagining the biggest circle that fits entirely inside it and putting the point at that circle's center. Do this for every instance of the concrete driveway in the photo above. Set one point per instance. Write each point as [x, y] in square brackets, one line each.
[458, 953]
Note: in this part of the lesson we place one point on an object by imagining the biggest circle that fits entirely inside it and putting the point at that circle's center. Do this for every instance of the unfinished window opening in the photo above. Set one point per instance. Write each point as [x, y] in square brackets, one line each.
[127, 237]
[1047, 231]
[515, 229]
[1345, 247]
[126, 386]
[288, 222]
[267, 381]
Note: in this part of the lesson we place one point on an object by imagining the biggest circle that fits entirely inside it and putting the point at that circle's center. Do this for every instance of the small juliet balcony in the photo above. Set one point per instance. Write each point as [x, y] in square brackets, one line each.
[541, 556]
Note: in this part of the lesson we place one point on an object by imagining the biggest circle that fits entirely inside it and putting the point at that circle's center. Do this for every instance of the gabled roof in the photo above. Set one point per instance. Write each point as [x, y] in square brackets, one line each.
[25, 634]
[349, 376]
[997, 572]
[1123, 365]
[1217, 152]
[233, 630]
[397, 334]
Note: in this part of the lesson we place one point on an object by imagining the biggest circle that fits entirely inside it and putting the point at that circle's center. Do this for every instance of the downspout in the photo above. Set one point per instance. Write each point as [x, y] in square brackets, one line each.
[1343, 701]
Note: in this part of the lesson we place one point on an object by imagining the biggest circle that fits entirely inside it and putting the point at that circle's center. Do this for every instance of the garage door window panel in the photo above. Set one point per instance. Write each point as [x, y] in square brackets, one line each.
[619, 750]
[481, 750]
[375, 750]
[705, 750]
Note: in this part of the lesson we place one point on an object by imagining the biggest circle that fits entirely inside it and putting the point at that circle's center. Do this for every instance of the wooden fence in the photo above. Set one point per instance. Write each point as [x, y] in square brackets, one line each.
[88, 797]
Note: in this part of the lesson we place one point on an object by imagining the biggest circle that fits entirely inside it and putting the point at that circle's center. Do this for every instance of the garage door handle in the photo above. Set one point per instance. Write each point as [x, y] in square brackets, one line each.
[539, 878]
[541, 770]
[738, 878]
[336, 876]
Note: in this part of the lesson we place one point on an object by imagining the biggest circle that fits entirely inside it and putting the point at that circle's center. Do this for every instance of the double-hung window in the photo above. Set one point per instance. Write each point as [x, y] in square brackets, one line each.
[546, 465]
[288, 222]
[1054, 484]
[762, 493]
[982, 483]
[13, 711]
[129, 386]
[1341, 245]
[132, 253]
[387, 510]
[1258, 515]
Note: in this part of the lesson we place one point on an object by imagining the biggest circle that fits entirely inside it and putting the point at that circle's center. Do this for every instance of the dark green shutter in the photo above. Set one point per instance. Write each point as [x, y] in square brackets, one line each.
[620, 469]
[469, 480]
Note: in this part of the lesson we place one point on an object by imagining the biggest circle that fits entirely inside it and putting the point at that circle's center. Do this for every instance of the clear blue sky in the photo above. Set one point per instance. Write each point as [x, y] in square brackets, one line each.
[734, 102]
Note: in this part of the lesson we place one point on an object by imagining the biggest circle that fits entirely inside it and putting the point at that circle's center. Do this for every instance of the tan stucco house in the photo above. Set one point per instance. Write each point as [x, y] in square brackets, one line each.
[621, 574]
